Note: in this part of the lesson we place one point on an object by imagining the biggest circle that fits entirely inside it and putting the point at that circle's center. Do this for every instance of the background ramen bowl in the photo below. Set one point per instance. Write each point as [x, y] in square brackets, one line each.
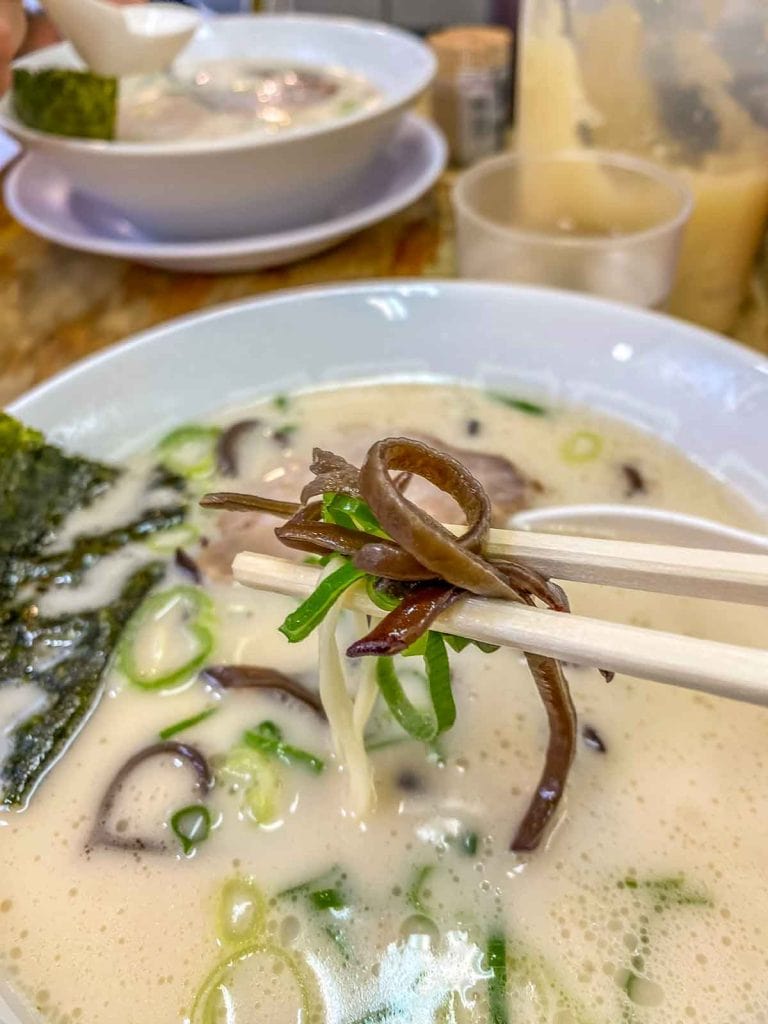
[246, 183]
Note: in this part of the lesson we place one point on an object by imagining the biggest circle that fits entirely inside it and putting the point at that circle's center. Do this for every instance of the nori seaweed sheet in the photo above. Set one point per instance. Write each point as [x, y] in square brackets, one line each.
[64, 101]
[31, 651]
[65, 657]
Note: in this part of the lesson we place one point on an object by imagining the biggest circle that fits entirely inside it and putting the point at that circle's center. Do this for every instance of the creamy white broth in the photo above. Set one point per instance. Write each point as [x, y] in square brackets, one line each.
[232, 96]
[676, 794]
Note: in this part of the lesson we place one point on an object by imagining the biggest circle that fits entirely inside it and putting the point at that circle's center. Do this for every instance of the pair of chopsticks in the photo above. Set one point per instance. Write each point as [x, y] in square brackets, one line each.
[726, 670]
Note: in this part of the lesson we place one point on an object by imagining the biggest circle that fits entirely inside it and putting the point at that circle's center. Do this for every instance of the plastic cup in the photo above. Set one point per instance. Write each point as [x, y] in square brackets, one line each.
[595, 222]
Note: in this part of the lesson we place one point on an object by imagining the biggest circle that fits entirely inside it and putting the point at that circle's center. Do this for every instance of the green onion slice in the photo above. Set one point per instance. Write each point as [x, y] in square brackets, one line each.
[327, 899]
[415, 894]
[422, 725]
[353, 513]
[227, 992]
[582, 446]
[251, 774]
[267, 738]
[439, 679]
[378, 597]
[198, 621]
[190, 450]
[191, 825]
[496, 956]
[311, 612]
[186, 723]
[242, 911]
[521, 404]
[165, 542]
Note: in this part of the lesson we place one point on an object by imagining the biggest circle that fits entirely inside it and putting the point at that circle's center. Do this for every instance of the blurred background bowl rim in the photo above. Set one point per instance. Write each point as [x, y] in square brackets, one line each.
[415, 80]
[464, 208]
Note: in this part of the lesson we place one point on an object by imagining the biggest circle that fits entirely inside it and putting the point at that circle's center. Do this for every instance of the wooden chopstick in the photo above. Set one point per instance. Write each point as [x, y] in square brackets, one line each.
[663, 569]
[725, 670]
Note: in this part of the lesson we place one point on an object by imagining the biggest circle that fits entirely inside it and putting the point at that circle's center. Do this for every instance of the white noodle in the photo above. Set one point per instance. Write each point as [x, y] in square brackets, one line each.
[346, 727]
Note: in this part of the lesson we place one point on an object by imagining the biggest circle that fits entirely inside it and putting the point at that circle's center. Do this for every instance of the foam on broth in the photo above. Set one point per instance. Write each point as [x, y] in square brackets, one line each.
[648, 902]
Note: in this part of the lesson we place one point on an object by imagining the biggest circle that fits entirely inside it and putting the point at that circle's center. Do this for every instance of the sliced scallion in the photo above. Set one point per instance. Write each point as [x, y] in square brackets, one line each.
[415, 894]
[251, 774]
[521, 404]
[190, 450]
[419, 724]
[581, 446]
[267, 738]
[439, 679]
[311, 612]
[191, 825]
[327, 899]
[198, 621]
[496, 956]
[242, 911]
[353, 513]
[186, 723]
[386, 602]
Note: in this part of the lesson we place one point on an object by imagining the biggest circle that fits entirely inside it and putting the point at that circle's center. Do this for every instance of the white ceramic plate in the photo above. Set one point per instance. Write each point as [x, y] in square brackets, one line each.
[702, 393]
[39, 195]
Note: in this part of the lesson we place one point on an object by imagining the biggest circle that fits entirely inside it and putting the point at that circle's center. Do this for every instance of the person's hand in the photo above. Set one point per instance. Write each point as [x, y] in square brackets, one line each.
[13, 28]
[20, 34]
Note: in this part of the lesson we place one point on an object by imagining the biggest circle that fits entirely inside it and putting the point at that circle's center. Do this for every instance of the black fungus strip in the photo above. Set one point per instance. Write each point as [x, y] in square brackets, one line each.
[187, 564]
[102, 835]
[634, 480]
[256, 677]
[228, 443]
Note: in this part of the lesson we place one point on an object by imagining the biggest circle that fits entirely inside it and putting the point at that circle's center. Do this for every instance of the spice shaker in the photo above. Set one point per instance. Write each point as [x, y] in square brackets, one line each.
[471, 94]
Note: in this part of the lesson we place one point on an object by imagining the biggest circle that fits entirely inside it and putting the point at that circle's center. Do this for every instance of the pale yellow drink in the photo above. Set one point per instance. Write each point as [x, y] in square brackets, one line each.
[592, 86]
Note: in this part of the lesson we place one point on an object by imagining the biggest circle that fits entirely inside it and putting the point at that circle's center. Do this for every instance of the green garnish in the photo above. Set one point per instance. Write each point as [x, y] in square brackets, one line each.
[382, 600]
[327, 899]
[267, 738]
[582, 446]
[669, 892]
[317, 559]
[421, 725]
[281, 402]
[215, 1002]
[249, 773]
[330, 879]
[190, 450]
[242, 911]
[64, 101]
[467, 843]
[311, 612]
[186, 723]
[84, 643]
[353, 513]
[496, 957]
[415, 894]
[170, 539]
[191, 825]
[198, 622]
[521, 404]
[459, 643]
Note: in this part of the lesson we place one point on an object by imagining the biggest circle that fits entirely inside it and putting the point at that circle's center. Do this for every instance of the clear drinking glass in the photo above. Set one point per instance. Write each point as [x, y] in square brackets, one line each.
[602, 223]
[682, 82]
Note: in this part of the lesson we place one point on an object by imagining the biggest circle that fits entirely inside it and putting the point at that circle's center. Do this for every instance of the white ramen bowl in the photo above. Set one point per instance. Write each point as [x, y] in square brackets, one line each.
[703, 394]
[244, 183]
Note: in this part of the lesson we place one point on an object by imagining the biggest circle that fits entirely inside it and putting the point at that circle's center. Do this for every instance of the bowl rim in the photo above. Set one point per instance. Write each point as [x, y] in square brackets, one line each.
[421, 77]
[709, 341]
[611, 159]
